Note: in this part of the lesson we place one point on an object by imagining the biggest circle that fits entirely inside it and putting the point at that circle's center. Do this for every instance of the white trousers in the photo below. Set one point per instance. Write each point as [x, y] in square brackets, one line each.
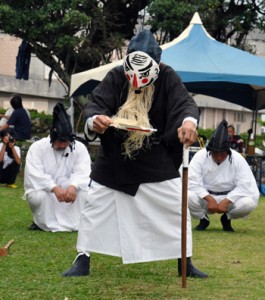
[51, 215]
[146, 227]
[240, 209]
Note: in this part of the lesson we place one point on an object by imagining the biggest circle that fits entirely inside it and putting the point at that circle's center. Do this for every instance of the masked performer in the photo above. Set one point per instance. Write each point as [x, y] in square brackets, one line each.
[135, 194]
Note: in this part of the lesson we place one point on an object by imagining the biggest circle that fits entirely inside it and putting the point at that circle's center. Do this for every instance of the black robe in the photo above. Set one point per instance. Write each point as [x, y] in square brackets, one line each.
[161, 156]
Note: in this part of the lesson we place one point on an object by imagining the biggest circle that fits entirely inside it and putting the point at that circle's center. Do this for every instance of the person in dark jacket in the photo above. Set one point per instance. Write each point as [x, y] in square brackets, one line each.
[236, 142]
[19, 121]
[143, 115]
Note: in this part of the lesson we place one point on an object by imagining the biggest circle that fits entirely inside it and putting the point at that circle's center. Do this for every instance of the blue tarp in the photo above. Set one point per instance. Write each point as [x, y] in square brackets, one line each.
[200, 58]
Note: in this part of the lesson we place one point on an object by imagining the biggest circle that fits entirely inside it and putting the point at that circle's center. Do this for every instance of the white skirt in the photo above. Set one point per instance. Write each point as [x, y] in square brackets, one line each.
[51, 215]
[141, 228]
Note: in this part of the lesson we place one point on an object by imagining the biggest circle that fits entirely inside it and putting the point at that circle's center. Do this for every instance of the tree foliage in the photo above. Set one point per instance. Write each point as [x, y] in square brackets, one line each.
[224, 19]
[71, 36]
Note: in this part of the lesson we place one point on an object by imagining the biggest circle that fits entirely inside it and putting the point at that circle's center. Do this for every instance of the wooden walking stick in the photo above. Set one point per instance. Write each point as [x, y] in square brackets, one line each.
[184, 215]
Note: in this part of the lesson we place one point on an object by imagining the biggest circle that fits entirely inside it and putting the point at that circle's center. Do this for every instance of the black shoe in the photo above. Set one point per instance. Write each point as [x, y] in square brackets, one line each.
[81, 267]
[226, 223]
[191, 270]
[34, 226]
[204, 223]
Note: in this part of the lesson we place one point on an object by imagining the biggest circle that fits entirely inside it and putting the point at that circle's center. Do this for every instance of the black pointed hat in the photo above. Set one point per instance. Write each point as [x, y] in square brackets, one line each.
[61, 126]
[219, 141]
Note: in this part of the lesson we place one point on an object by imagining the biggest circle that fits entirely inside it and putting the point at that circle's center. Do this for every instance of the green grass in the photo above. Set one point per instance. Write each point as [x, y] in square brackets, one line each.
[235, 263]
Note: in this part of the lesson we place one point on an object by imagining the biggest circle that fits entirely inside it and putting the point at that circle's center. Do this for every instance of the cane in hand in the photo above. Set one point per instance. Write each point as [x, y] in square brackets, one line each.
[184, 214]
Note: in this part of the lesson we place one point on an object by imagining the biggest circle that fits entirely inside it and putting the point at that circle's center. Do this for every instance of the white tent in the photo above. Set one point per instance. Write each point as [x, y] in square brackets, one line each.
[84, 82]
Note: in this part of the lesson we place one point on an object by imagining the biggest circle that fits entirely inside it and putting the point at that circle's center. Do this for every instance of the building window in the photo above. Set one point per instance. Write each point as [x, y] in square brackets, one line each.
[239, 117]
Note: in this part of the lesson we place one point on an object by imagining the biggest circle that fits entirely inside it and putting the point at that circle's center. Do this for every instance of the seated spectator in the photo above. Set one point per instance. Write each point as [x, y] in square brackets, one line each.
[19, 120]
[221, 181]
[57, 176]
[236, 142]
[9, 159]
[6, 116]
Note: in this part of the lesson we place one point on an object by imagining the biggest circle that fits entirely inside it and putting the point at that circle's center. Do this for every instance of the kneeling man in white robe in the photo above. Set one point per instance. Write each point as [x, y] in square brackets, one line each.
[221, 181]
[56, 177]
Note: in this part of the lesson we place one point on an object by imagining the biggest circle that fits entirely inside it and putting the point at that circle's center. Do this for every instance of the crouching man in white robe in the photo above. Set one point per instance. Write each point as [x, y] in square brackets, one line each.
[221, 181]
[56, 177]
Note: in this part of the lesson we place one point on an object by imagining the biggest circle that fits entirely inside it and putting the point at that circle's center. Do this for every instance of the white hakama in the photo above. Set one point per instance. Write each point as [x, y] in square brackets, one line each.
[141, 228]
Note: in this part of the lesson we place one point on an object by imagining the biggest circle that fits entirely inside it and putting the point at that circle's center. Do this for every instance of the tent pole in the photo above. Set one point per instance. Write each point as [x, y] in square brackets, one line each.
[255, 123]
[255, 114]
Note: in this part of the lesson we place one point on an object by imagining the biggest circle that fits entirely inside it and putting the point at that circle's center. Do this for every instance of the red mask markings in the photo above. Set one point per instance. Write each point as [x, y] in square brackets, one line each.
[135, 83]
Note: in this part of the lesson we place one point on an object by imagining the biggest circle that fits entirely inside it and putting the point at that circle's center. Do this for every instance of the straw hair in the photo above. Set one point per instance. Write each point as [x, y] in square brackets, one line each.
[135, 112]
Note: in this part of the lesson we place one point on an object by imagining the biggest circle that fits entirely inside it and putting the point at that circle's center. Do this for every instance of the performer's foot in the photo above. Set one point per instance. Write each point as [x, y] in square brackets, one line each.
[204, 223]
[34, 226]
[191, 270]
[81, 267]
[226, 223]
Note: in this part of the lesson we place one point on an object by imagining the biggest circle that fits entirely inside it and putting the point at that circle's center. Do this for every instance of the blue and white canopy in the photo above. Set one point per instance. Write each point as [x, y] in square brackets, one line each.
[212, 68]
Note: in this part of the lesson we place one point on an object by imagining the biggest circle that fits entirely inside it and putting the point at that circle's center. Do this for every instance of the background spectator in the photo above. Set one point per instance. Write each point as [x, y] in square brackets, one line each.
[6, 116]
[236, 142]
[19, 120]
[9, 159]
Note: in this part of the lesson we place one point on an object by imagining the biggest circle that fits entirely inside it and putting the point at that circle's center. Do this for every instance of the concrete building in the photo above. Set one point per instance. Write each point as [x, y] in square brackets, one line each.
[214, 110]
[35, 92]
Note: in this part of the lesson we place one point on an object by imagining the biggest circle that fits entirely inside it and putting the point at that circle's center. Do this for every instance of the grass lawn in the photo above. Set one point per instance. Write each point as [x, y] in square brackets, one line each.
[235, 262]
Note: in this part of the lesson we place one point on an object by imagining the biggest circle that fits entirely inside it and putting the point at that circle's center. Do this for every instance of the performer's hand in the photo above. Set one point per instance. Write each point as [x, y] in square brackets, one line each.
[187, 133]
[71, 194]
[101, 123]
[212, 204]
[223, 206]
[60, 193]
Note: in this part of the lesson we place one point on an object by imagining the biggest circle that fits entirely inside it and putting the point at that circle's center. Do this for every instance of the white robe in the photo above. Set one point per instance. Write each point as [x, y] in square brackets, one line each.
[46, 168]
[141, 228]
[235, 176]
[8, 113]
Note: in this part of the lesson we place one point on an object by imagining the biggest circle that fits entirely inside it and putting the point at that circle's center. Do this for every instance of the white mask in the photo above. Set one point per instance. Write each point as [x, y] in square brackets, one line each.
[140, 69]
